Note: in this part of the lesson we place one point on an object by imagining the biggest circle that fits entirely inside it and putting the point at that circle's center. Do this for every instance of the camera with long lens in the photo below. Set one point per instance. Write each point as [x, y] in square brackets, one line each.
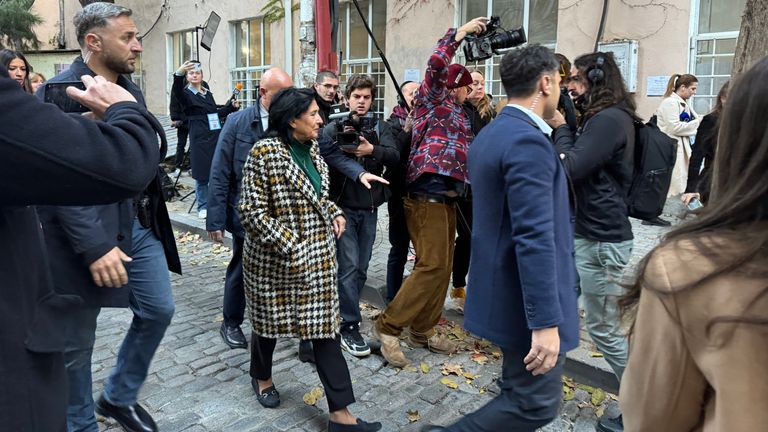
[349, 139]
[484, 45]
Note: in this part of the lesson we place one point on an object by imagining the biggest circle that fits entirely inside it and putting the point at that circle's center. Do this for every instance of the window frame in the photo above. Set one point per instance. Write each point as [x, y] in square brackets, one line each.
[250, 75]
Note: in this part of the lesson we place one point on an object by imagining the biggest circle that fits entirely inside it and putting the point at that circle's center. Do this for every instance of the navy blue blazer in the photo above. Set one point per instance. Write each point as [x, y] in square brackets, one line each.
[522, 271]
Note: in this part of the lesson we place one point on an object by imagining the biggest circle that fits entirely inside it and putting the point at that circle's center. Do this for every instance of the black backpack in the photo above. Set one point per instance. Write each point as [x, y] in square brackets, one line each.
[655, 154]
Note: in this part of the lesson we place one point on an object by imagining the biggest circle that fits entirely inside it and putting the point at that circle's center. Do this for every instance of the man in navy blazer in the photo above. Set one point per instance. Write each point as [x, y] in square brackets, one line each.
[523, 275]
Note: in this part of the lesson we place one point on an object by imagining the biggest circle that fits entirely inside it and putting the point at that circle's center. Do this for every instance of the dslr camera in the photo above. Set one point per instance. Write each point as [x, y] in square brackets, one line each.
[349, 139]
[484, 45]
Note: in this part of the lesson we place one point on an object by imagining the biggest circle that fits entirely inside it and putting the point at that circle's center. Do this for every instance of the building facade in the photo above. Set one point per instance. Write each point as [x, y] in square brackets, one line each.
[653, 40]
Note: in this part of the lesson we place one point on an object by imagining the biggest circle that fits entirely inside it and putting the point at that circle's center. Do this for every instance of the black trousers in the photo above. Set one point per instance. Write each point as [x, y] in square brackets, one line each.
[182, 132]
[526, 402]
[234, 289]
[461, 252]
[331, 367]
[399, 241]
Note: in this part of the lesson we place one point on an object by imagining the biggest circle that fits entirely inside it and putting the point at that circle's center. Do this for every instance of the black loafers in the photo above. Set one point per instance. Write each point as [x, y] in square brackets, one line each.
[269, 398]
[133, 418]
[233, 336]
[361, 426]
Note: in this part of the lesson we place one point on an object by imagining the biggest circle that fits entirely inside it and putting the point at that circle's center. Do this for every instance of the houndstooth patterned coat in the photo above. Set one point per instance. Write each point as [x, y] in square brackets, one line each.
[289, 259]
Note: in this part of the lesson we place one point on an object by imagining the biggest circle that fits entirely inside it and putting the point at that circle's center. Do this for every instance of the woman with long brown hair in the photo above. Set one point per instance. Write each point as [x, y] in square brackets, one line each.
[18, 67]
[704, 152]
[676, 118]
[700, 303]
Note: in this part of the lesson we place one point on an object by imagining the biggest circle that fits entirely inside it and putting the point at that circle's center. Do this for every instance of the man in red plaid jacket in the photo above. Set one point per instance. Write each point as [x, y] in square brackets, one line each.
[437, 171]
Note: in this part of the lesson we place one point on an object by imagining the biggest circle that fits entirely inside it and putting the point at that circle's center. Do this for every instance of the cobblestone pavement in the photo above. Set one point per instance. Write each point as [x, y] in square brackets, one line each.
[197, 384]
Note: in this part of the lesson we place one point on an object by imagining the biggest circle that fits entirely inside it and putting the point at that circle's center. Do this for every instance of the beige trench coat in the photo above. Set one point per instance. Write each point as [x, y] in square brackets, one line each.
[289, 258]
[690, 367]
[668, 116]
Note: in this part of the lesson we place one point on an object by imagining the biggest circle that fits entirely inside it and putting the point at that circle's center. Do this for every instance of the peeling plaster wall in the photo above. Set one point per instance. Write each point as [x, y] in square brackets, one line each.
[661, 28]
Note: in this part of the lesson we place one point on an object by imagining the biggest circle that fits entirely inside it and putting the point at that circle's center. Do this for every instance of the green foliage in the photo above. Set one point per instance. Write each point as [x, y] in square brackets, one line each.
[16, 23]
[274, 11]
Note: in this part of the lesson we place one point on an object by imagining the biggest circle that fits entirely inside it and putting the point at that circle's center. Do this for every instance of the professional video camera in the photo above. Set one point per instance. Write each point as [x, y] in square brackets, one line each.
[349, 139]
[484, 45]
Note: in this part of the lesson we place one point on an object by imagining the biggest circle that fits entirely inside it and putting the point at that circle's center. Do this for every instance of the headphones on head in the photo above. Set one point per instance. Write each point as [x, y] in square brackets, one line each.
[400, 100]
[596, 74]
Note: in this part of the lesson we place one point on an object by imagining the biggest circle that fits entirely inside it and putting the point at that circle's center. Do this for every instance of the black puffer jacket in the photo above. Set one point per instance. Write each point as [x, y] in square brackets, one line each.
[351, 194]
[599, 160]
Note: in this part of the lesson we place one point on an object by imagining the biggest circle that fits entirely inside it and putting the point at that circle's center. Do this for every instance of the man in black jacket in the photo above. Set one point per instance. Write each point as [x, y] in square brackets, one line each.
[326, 89]
[599, 160]
[116, 159]
[88, 247]
[240, 132]
[360, 205]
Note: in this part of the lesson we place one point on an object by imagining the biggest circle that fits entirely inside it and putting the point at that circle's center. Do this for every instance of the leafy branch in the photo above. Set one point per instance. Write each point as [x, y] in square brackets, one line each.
[16, 25]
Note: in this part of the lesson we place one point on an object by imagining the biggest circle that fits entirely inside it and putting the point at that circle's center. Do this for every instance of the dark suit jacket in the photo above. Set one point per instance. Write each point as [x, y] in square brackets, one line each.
[240, 132]
[76, 236]
[522, 272]
[114, 160]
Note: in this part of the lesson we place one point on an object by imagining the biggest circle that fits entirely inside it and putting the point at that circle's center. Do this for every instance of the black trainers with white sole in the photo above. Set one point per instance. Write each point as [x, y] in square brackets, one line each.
[352, 342]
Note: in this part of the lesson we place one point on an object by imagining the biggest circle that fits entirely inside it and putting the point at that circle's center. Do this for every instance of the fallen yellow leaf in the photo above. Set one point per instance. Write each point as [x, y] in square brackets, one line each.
[469, 376]
[424, 368]
[449, 383]
[598, 397]
[451, 369]
[313, 396]
[413, 416]
[595, 354]
[479, 358]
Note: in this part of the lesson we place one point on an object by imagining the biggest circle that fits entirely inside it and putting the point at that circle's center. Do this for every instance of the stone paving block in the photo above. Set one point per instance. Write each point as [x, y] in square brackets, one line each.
[211, 369]
[179, 380]
[434, 393]
[179, 422]
[229, 375]
[172, 372]
[296, 416]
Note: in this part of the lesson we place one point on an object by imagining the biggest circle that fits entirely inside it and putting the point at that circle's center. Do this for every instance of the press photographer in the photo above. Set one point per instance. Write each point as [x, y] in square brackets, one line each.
[359, 134]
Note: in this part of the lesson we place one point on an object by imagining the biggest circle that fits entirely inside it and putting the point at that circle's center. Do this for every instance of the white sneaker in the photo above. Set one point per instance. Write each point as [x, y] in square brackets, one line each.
[202, 214]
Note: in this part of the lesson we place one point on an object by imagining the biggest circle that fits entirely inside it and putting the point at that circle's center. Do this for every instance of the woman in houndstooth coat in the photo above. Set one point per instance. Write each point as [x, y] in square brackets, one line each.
[289, 259]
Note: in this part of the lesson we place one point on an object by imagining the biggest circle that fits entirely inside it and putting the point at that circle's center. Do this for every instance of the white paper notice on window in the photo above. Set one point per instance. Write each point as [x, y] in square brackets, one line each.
[412, 75]
[656, 85]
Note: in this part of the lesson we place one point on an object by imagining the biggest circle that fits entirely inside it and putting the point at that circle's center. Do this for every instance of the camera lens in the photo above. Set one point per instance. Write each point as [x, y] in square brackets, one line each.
[508, 39]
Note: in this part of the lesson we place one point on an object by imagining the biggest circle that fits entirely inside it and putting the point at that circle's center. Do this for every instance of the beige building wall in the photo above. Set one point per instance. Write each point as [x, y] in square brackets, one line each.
[181, 15]
[48, 30]
[412, 33]
[661, 30]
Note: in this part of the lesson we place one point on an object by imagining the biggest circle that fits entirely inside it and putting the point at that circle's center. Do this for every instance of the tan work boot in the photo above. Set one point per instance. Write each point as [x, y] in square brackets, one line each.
[458, 296]
[390, 348]
[437, 344]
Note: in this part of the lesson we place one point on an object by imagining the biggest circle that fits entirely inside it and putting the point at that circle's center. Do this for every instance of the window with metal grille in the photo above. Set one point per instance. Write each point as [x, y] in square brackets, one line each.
[537, 17]
[712, 48]
[251, 57]
[358, 53]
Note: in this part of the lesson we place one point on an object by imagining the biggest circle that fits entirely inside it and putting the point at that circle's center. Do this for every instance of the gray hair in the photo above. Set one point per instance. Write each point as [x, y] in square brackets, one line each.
[96, 15]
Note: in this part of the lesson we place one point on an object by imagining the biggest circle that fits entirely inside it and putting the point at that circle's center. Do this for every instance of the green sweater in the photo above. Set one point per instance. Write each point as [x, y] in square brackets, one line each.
[303, 158]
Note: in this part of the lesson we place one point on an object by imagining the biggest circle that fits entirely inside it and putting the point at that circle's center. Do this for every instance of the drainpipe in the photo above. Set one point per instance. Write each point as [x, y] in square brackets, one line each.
[326, 56]
[62, 39]
[288, 21]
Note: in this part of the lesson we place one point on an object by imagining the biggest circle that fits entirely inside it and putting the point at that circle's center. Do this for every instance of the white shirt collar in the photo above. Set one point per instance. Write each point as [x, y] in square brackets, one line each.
[535, 117]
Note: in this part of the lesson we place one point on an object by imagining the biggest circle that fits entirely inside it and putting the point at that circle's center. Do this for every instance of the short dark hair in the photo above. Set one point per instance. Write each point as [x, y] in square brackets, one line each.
[96, 15]
[357, 82]
[322, 75]
[288, 104]
[521, 69]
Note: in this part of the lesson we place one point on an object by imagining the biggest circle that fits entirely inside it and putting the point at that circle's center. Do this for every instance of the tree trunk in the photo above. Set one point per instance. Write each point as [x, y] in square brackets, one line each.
[753, 36]
[307, 68]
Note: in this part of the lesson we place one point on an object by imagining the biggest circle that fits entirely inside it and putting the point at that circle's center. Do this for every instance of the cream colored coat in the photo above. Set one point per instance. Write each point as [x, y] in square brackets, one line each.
[668, 115]
[686, 370]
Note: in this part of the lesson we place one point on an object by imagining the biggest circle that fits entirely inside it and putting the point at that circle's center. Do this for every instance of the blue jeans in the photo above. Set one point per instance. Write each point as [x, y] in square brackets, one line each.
[353, 252]
[399, 240]
[234, 290]
[601, 266]
[151, 301]
[201, 195]
[526, 402]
